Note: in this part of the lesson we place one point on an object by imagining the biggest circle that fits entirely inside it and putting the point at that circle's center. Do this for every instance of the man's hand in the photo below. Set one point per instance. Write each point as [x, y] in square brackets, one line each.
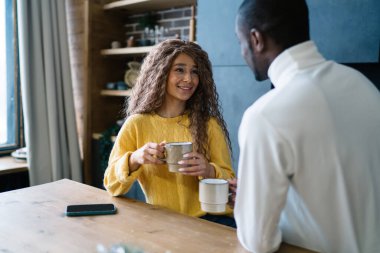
[232, 184]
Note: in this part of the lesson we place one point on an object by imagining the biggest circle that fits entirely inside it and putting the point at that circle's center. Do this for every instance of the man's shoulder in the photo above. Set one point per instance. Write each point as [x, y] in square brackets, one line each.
[340, 69]
[261, 104]
[256, 111]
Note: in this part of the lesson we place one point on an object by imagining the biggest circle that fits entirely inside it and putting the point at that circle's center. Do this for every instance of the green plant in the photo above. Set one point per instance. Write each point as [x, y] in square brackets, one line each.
[106, 144]
[148, 20]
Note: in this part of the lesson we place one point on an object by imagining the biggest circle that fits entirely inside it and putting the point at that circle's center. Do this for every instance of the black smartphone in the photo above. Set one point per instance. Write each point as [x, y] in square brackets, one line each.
[90, 209]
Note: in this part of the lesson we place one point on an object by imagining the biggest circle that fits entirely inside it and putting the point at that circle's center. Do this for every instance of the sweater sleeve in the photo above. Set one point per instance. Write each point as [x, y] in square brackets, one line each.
[117, 177]
[262, 184]
[220, 156]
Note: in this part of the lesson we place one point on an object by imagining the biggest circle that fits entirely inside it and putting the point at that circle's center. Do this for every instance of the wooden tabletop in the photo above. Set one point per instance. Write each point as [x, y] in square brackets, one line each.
[33, 220]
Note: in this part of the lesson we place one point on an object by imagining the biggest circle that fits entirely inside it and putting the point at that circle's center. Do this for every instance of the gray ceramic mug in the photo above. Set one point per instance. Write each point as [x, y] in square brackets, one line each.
[174, 152]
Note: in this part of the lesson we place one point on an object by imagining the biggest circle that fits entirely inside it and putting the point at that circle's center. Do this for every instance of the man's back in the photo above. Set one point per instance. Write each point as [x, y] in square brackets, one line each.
[338, 172]
[323, 124]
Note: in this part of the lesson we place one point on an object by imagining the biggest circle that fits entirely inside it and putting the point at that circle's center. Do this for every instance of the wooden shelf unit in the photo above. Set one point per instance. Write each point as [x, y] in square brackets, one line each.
[135, 6]
[116, 93]
[104, 24]
[10, 165]
[97, 136]
[126, 51]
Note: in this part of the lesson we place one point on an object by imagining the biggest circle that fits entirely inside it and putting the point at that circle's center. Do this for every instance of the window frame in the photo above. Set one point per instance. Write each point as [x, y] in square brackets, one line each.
[13, 82]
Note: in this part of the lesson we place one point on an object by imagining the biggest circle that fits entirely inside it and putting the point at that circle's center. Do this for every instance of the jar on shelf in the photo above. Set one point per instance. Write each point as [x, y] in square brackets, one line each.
[132, 73]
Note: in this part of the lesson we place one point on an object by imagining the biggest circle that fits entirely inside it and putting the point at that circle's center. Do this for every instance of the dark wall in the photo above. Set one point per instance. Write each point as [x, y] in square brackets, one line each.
[344, 30]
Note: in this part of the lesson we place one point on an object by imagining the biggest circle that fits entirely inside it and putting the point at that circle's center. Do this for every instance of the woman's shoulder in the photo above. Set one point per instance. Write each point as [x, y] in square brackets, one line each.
[138, 117]
[137, 120]
[213, 121]
[213, 124]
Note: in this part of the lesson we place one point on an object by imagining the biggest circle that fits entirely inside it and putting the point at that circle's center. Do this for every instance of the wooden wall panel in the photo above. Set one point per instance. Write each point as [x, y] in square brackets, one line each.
[76, 28]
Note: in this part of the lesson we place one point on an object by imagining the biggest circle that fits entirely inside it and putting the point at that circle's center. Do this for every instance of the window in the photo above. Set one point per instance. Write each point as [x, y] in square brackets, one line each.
[10, 104]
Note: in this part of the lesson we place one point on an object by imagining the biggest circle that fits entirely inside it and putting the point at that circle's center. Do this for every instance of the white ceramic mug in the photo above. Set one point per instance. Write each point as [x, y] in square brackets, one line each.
[213, 195]
[174, 152]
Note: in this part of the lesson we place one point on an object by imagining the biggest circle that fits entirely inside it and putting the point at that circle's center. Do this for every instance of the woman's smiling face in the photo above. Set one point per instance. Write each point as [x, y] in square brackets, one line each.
[183, 79]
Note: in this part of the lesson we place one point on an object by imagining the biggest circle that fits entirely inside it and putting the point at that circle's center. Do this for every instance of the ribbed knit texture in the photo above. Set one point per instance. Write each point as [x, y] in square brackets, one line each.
[161, 187]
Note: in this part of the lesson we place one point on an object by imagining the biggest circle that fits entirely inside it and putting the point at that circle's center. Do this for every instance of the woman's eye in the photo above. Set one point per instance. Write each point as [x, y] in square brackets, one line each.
[195, 71]
[180, 70]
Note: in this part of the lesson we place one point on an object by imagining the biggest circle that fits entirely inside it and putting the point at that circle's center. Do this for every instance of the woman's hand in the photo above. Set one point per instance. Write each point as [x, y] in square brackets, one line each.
[150, 153]
[195, 164]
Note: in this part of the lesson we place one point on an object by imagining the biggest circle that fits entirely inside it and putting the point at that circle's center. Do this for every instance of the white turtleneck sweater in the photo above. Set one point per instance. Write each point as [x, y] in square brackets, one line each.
[309, 167]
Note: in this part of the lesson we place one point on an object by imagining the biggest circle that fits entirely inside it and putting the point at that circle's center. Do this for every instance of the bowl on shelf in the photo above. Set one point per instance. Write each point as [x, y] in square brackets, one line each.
[110, 86]
[144, 43]
[121, 85]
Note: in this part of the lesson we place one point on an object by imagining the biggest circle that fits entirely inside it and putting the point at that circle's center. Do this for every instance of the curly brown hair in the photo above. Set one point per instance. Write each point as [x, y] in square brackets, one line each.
[150, 88]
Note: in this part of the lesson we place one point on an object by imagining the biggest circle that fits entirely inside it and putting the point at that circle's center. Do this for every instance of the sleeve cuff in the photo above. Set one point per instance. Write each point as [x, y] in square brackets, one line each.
[122, 170]
[219, 172]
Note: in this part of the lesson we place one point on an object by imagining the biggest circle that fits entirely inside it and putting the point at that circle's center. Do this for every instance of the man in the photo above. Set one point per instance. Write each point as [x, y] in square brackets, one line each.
[309, 166]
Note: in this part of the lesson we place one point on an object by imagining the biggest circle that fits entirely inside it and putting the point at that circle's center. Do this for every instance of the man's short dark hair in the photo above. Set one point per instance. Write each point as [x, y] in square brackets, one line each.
[285, 21]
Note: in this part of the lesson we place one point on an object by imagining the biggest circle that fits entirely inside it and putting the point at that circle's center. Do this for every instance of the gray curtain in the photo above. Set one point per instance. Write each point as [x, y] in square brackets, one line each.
[47, 95]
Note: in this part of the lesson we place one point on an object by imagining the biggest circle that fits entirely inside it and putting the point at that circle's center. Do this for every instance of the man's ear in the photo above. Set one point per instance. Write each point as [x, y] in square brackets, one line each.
[257, 40]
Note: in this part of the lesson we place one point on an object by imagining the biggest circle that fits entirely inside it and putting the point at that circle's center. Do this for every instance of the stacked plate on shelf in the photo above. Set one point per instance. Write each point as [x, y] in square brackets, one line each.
[20, 154]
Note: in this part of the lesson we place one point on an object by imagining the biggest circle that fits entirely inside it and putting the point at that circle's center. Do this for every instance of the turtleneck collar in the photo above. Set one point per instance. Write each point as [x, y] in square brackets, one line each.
[293, 59]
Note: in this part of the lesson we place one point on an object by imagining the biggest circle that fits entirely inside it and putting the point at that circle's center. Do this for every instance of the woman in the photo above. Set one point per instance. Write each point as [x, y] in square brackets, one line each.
[174, 100]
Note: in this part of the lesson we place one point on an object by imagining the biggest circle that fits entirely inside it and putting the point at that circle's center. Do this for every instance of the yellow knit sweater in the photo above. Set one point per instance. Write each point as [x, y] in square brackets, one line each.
[161, 187]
